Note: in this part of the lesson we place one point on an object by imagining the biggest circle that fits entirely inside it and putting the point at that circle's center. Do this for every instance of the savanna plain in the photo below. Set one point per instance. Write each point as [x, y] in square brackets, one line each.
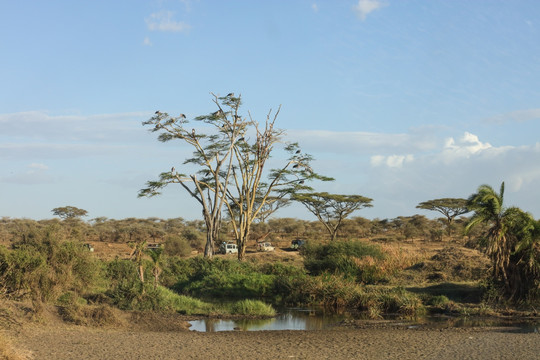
[126, 289]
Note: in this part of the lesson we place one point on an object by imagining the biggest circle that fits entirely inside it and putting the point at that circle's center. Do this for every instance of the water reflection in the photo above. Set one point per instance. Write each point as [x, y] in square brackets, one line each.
[289, 319]
[318, 319]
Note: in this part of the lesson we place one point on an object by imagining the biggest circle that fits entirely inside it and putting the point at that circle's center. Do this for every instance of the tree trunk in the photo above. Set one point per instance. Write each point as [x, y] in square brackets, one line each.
[242, 244]
[209, 248]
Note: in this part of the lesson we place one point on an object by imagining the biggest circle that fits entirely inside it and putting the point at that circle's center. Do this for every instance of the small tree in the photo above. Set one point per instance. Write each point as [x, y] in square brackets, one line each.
[155, 254]
[69, 212]
[332, 209]
[137, 256]
[449, 207]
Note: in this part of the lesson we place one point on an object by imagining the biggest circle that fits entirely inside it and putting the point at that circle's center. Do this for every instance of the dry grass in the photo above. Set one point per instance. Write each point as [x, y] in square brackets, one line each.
[9, 352]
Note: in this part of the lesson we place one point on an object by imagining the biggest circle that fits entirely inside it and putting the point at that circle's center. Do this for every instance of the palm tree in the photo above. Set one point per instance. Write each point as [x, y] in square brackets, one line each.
[488, 208]
[509, 240]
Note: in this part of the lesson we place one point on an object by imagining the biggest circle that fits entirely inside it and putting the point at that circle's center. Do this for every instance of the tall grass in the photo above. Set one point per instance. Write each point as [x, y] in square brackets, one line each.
[252, 308]
[9, 352]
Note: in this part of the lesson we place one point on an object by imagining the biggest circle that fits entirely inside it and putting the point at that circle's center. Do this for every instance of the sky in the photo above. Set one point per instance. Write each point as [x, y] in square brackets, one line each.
[401, 101]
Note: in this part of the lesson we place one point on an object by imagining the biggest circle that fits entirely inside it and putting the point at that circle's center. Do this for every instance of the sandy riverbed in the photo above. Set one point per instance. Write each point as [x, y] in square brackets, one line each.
[75, 342]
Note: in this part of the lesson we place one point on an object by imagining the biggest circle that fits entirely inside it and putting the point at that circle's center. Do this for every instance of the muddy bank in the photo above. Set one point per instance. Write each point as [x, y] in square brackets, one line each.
[75, 342]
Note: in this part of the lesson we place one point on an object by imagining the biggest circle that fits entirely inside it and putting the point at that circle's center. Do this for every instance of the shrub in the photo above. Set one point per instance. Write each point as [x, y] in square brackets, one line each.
[177, 246]
[252, 308]
[41, 267]
[125, 286]
[342, 257]
[224, 278]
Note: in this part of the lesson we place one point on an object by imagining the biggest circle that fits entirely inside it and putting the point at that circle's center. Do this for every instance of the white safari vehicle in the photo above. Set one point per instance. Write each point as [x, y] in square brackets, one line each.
[265, 246]
[228, 248]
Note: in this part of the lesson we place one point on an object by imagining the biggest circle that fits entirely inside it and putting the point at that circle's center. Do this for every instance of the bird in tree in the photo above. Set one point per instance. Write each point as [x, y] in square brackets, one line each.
[449, 207]
[227, 170]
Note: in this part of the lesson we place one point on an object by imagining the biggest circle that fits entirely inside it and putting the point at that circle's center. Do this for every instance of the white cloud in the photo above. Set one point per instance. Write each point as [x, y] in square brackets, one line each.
[392, 161]
[163, 21]
[147, 41]
[38, 126]
[365, 143]
[515, 116]
[365, 7]
[35, 173]
[401, 170]
[315, 7]
[38, 166]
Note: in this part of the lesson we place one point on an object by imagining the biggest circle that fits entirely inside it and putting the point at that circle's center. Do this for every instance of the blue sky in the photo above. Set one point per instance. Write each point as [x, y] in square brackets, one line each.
[400, 101]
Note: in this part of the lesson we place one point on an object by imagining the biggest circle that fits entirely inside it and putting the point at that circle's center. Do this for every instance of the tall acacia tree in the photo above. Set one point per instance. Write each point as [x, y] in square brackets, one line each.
[231, 165]
[254, 186]
[212, 156]
[332, 209]
[449, 207]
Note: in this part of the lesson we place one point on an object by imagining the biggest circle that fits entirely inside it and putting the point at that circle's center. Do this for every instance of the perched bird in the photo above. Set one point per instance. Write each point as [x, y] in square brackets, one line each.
[301, 182]
[193, 132]
[230, 94]
[182, 116]
[295, 166]
[298, 151]
[241, 139]
[157, 112]
[172, 169]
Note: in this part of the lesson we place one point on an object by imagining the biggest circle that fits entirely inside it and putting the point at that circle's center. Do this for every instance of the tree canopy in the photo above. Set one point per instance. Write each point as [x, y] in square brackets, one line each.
[69, 212]
[332, 209]
[449, 207]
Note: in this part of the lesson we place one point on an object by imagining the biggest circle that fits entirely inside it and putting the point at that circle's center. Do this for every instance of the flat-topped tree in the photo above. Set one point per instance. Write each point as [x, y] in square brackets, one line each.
[332, 209]
[69, 212]
[449, 207]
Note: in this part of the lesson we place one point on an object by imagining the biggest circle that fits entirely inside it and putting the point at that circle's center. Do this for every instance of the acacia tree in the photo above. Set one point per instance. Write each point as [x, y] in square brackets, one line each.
[69, 212]
[230, 167]
[212, 156]
[449, 207]
[332, 209]
[249, 194]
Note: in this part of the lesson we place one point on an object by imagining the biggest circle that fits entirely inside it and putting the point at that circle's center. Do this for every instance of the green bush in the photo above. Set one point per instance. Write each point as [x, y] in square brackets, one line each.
[224, 278]
[40, 267]
[252, 308]
[124, 284]
[341, 257]
[177, 246]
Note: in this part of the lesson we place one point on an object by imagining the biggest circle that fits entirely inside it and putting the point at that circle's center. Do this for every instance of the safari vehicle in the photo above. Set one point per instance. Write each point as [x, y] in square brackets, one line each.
[297, 244]
[89, 247]
[265, 246]
[228, 248]
[153, 246]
